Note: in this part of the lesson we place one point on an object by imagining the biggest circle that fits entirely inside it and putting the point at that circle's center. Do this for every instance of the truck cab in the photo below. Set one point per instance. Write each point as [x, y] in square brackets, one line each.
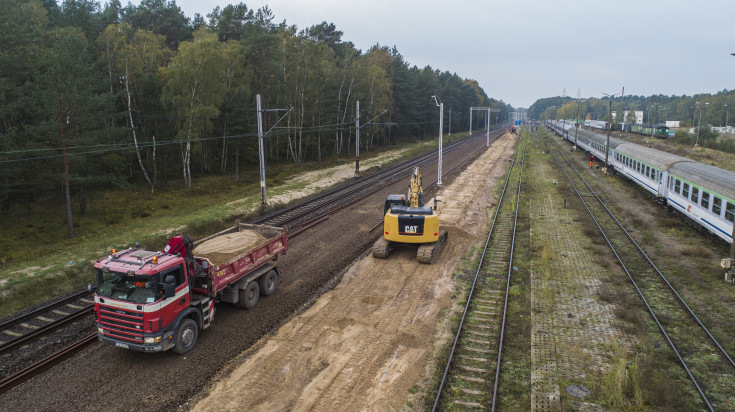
[143, 301]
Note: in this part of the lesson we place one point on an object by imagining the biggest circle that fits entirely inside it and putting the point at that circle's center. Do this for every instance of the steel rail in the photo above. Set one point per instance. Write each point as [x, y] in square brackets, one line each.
[507, 283]
[635, 285]
[53, 305]
[653, 265]
[470, 295]
[38, 367]
[313, 203]
[45, 329]
[375, 189]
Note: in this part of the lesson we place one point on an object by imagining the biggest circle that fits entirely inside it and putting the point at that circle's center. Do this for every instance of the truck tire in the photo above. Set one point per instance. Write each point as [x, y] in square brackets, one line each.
[186, 336]
[268, 283]
[249, 296]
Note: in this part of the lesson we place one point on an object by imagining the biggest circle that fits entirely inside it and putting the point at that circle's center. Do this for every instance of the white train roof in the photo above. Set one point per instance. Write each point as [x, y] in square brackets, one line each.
[652, 157]
[600, 138]
[721, 181]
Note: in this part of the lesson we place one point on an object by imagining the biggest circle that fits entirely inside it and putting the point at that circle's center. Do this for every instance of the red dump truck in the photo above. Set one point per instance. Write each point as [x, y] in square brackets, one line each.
[155, 301]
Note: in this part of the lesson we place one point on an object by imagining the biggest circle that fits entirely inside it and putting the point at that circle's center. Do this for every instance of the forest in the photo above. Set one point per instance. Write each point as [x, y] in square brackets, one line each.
[713, 108]
[97, 96]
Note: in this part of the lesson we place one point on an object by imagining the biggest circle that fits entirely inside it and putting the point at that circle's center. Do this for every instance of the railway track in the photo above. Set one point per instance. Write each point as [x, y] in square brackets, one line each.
[25, 328]
[358, 189]
[472, 372]
[80, 305]
[705, 361]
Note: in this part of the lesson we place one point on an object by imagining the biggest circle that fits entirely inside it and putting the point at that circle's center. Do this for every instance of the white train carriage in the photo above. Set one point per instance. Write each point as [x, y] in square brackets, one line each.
[705, 194]
[648, 167]
[594, 143]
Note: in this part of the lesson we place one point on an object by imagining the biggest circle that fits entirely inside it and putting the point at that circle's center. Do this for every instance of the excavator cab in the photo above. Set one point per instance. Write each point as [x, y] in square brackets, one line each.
[392, 200]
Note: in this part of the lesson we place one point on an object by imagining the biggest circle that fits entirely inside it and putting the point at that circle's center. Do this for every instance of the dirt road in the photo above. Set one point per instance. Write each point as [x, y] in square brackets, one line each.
[366, 343]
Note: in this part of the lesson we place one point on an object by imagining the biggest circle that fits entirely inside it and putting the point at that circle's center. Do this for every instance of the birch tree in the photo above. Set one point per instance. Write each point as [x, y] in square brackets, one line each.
[194, 89]
[127, 57]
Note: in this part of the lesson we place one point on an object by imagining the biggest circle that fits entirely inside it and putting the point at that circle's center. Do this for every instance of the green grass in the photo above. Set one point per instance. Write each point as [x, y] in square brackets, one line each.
[38, 261]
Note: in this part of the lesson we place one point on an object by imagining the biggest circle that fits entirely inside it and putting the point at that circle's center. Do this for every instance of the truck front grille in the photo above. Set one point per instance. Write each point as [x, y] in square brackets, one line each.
[121, 324]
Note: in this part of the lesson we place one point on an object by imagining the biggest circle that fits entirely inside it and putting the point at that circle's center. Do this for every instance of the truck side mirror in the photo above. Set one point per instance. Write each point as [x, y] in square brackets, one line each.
[90, 288]
[169, 287]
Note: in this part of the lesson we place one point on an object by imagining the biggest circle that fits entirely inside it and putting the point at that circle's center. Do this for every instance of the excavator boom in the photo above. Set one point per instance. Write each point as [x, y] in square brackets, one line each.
[416, 189]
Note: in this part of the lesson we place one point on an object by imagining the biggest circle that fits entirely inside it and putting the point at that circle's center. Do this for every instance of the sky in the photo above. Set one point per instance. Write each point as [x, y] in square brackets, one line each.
[523, 50]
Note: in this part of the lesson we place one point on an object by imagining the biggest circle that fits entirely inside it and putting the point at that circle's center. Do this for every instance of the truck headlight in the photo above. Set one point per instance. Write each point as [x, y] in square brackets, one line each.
[101, 331]
[157, 339]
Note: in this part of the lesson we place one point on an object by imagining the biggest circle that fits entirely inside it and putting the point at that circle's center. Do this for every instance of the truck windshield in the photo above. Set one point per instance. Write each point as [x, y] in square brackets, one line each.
[137, 289]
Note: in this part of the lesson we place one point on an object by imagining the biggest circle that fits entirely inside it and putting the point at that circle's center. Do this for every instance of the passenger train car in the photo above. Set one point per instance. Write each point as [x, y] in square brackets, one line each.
[703, 193]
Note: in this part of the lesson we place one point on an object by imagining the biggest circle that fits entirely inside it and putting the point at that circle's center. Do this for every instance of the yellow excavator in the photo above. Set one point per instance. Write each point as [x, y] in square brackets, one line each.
[407, 222]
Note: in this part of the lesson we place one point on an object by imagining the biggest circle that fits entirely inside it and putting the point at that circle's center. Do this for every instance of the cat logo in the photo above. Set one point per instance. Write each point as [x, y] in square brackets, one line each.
[411, 229]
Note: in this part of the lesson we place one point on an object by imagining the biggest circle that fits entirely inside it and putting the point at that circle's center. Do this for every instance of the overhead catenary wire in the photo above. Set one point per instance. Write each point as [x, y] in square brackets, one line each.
[122, 147]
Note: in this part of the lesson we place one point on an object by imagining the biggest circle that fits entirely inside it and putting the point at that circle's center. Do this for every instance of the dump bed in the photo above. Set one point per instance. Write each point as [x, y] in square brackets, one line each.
[230, 255]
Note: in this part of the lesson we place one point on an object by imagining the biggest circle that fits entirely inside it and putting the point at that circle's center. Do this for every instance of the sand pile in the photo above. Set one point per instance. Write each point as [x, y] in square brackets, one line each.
[223, 249]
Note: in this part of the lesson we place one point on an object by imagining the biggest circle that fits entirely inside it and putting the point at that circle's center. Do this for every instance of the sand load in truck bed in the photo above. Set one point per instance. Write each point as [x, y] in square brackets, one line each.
[225, 248]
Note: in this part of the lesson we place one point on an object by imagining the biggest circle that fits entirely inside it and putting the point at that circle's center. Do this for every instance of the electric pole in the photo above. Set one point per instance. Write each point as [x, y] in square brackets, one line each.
[261, 154]
[357, 139]
[609, 128]
[261, 150]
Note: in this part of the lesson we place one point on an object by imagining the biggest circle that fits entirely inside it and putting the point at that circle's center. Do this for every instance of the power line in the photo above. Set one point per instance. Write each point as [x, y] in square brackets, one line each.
[122, 147]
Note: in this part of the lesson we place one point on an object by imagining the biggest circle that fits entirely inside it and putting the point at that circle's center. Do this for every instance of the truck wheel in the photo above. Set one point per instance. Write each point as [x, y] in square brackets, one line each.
[249, 296]
[268, 283]
[186, 336]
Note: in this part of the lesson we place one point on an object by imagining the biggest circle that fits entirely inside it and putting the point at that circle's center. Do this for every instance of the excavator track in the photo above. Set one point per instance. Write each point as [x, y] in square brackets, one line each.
[381, 248]
[427, 252]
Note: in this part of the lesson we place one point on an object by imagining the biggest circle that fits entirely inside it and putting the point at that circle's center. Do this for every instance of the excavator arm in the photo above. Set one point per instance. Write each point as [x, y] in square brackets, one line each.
[415, 189]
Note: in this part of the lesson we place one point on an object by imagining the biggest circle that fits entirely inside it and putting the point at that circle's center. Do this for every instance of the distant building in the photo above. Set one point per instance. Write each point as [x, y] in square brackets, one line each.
[721, 130]
[728, 129]
[672, 123]
[638, 116]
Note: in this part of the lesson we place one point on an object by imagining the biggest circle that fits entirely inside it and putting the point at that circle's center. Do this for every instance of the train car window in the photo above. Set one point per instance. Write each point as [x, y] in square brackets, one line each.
[705, 200]
[685, 190]
[716, 205]
[695, 195]
[730, 212]
[648, 171]
[677, 186]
